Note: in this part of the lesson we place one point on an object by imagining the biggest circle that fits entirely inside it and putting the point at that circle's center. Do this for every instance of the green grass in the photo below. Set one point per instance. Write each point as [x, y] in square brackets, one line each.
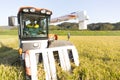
[8, 48]
[86, 33]
[8, 32]
[65, 32]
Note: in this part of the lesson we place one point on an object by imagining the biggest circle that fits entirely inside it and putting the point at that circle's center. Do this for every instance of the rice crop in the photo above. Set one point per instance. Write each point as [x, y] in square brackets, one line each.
[99, 59]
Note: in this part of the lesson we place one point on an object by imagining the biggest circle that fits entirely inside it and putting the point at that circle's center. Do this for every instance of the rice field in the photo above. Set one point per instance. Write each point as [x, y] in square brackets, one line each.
[99, 59]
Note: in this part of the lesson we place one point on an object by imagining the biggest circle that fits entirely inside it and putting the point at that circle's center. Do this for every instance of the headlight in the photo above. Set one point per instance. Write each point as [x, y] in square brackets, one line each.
[25, 10]
[32, 10]
[35, 44]
[48, 13]
[43, 11]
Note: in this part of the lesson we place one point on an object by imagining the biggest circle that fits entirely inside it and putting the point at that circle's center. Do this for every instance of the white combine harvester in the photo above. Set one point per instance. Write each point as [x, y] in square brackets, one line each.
[35, 45]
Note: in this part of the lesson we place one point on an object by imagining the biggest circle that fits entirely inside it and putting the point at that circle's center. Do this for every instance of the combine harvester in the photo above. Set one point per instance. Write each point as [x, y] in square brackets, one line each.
[37, 46]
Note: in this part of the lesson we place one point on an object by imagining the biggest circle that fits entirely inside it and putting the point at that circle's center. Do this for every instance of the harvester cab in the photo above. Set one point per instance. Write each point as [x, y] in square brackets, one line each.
[33, 29]
[35, 45]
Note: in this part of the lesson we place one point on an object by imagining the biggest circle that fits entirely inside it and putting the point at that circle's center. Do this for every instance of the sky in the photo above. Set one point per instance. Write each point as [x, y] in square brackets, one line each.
[97, 10]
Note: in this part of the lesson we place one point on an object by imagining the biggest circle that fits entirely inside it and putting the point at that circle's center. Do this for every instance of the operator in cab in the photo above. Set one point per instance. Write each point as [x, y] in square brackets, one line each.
[32, 24]
[32, 28]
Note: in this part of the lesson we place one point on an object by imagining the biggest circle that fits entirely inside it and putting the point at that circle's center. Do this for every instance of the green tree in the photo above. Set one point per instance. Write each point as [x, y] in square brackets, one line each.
[106, 27]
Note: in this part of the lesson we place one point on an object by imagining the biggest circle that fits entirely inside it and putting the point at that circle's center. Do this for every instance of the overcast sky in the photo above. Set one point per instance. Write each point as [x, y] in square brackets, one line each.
[97, 10]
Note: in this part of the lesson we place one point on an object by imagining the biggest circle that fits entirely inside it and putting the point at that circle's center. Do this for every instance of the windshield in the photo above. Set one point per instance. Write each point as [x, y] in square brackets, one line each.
[34, 26]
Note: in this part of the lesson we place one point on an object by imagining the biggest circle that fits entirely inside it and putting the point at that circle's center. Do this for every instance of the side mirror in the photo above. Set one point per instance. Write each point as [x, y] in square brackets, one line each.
[11, 21]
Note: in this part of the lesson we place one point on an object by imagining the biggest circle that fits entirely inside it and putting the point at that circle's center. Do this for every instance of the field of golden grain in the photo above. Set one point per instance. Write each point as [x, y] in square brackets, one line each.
[99, 58]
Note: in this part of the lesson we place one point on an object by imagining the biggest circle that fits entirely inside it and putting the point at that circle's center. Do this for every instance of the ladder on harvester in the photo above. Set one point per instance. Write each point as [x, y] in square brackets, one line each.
[49, 60]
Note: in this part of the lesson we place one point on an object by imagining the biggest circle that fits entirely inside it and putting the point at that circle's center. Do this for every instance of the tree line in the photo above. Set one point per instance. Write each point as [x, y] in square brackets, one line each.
[104, 26]
[93, 26]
